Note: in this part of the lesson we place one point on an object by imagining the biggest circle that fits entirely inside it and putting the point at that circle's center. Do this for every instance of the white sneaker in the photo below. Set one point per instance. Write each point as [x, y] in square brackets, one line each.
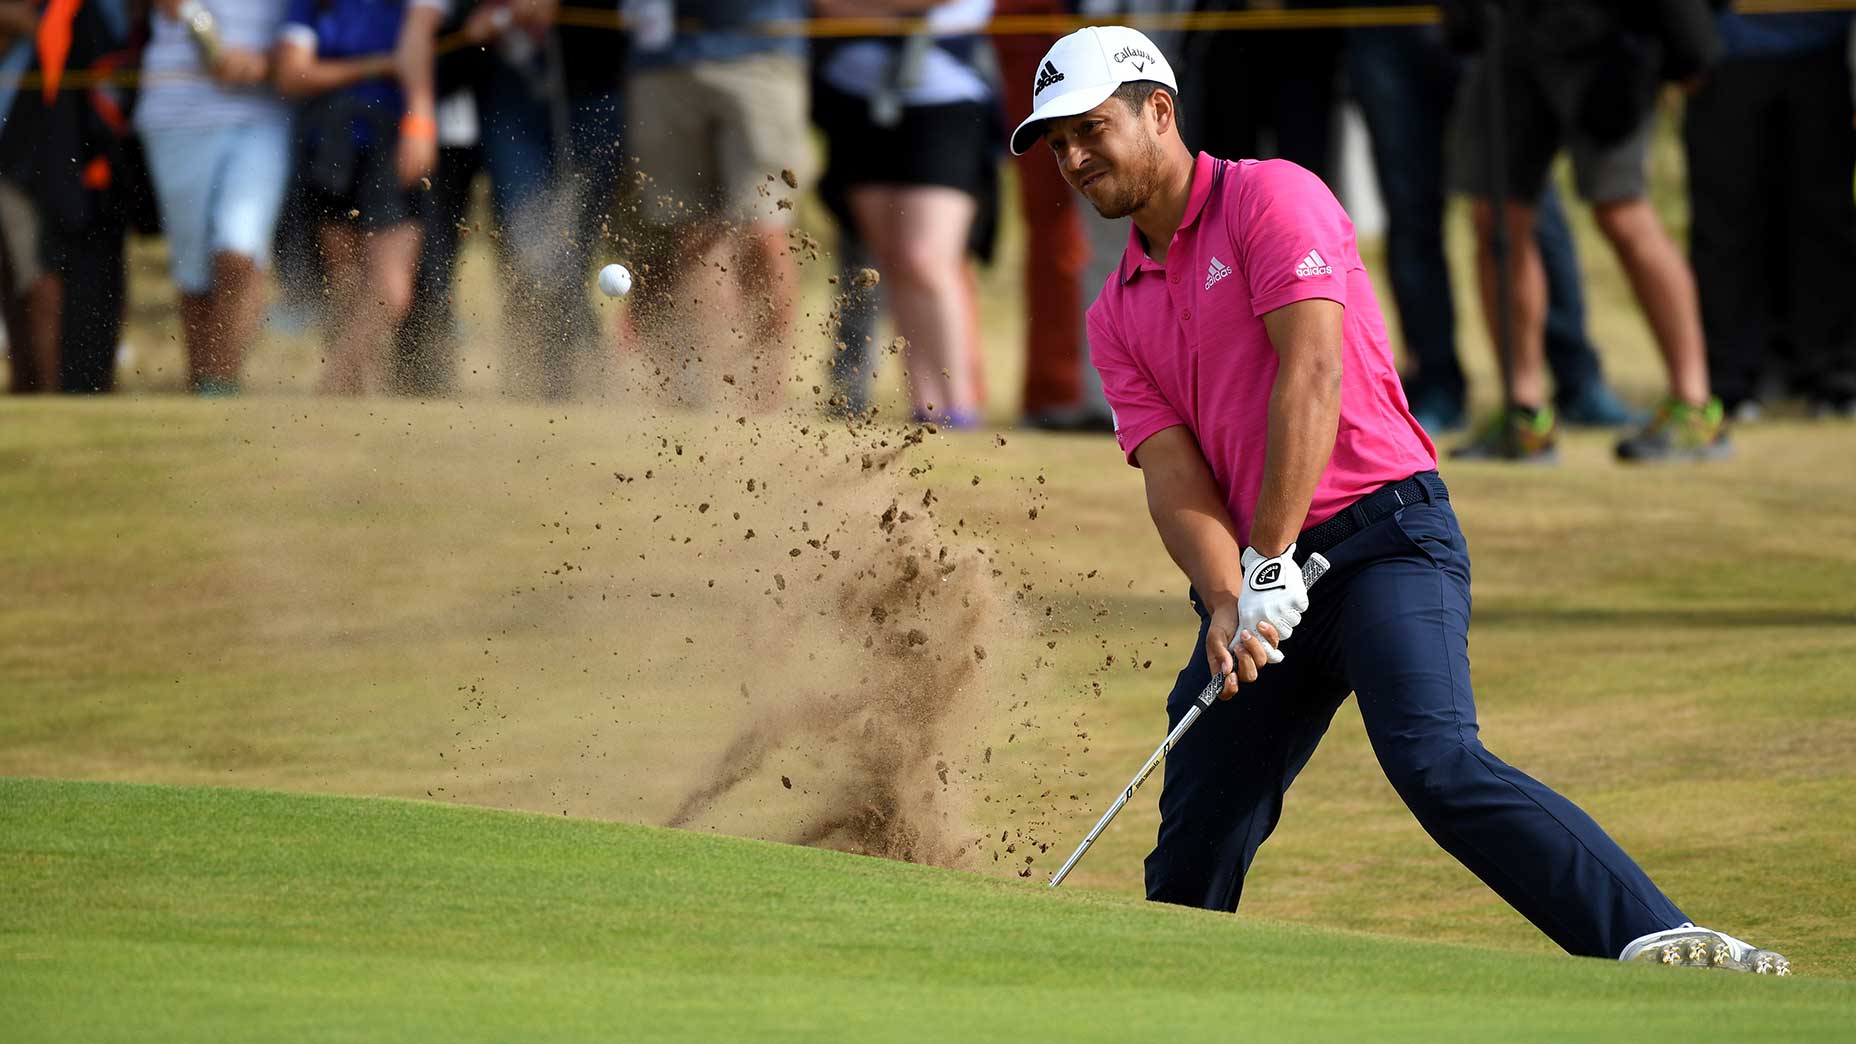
[1694, 947]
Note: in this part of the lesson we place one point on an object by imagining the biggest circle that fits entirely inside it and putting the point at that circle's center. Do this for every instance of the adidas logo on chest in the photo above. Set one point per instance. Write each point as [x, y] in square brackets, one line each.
[1215, 272]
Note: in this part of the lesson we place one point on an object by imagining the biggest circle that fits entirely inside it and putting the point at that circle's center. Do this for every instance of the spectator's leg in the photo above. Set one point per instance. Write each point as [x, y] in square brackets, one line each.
[920, 235]
[767, 280]
[234, 308]
[671, 111]
[425, 346]
[1297, 74]
[595, 126]
[35, 364]
[1665, 289]
[1725, 132]
[533, 221]
[1221, 93]
[1570, 355]
[1527, 298]
[1820, 239]
[1404, 79]
[187, 169]
[386, 265]
[761, 130]
[243, 204]
[1055, 248]
[344, 369]
[95, 288]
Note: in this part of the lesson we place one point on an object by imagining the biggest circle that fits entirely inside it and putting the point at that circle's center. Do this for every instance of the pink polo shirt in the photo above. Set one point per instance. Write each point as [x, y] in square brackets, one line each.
[1185, 343]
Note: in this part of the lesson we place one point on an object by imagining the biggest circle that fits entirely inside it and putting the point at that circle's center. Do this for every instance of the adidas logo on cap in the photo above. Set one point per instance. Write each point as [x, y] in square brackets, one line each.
[1312, 265]
[1046, 76]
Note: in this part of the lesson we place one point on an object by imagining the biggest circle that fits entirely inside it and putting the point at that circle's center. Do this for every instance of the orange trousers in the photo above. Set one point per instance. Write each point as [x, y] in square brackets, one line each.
[1056, 249]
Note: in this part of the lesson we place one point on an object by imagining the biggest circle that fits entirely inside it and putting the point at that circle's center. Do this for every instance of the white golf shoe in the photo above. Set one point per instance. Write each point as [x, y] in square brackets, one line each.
[1693, 947]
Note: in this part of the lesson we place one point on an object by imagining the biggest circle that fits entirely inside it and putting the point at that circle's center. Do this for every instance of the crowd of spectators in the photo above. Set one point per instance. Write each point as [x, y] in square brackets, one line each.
[345, 137]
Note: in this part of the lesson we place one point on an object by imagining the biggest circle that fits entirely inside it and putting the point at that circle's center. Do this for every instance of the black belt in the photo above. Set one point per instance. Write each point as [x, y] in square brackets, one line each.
[1423, 488]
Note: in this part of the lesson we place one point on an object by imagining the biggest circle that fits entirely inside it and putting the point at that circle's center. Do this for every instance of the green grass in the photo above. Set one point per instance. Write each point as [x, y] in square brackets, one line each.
[367, 598]
[158, 913]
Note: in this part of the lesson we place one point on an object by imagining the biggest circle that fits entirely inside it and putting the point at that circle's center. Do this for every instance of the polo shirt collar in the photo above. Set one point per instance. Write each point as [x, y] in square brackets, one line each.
[1202, 170]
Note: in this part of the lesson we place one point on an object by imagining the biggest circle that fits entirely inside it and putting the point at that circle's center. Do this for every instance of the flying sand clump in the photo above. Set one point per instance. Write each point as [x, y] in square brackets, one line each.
[874, 664]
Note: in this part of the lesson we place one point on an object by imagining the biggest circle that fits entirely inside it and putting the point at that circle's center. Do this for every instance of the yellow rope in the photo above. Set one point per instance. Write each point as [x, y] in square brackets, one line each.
[1003, 25]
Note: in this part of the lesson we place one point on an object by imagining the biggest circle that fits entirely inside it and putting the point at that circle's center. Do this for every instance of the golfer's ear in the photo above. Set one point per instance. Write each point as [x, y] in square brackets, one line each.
[1165, 113]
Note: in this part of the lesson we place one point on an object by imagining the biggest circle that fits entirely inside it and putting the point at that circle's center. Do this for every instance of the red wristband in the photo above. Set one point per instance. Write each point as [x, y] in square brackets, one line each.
[414, 125]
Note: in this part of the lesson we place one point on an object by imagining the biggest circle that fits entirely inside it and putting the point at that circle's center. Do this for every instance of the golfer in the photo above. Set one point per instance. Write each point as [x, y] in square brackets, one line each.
[1247, 363]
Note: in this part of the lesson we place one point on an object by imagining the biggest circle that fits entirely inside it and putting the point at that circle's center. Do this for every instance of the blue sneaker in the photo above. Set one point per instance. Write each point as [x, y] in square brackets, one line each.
[1438, 412]
[1596, 406]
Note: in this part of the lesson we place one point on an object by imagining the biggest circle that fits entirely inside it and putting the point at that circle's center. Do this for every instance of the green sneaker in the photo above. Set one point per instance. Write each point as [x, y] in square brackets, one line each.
[1518, 434]
[1680, 431]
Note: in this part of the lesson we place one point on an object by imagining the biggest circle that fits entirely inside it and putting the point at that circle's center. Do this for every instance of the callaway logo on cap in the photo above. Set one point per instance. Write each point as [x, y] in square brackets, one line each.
[1081, 70]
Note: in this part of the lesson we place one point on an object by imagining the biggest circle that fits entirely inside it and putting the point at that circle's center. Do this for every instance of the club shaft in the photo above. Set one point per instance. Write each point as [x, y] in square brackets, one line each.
[1192, 715]
[1312, 570]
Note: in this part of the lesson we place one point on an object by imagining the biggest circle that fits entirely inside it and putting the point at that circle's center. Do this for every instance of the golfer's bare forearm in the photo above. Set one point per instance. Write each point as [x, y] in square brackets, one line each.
[1189, 512]
[1304, 418]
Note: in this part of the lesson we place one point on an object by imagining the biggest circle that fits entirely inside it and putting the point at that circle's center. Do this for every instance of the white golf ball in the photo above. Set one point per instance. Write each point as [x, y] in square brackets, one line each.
[615, 281]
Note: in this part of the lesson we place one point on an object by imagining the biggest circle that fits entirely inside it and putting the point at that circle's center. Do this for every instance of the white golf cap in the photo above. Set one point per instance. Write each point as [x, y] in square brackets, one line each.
[1080, 71]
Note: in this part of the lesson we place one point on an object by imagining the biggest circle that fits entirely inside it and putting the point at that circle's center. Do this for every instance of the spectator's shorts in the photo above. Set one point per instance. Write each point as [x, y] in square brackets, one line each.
[954, 146]
[1540, 116]
[220, 190]
[707, 135]
[372, 199]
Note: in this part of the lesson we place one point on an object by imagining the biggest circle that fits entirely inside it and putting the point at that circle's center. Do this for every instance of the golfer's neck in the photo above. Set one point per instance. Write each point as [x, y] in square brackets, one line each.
[1160, 216]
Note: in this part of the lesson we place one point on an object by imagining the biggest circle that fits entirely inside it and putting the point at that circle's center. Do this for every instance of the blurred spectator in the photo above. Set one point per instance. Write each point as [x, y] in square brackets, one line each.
[425, 347]
[1056, 249]
[217, 138]
[718, 113]
[913, 130]
[1773, 234]
[369, 136]
[1263, 94]
[1583, 75]
[61, 212]
[1405, 80]
[548, 97]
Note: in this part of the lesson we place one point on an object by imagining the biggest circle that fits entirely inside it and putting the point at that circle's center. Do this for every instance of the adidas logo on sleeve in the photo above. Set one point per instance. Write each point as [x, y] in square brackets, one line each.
[1312, 265]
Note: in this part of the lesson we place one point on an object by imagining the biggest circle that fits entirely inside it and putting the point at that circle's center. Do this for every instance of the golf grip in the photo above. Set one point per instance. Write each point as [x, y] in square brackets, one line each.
[1312, 571]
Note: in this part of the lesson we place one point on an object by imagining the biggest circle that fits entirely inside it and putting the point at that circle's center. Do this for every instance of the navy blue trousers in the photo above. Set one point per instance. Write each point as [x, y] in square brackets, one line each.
[1389, 623]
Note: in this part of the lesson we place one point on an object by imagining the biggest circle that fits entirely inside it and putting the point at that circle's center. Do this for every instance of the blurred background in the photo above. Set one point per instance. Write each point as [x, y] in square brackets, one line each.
[224, 197]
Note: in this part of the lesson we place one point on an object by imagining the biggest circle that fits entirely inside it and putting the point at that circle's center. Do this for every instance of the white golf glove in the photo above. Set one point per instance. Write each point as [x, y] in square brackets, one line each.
[1273, 591]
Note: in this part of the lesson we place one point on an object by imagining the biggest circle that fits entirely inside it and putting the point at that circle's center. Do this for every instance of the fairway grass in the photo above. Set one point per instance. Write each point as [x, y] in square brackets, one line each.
[159, 913]
[370, 599]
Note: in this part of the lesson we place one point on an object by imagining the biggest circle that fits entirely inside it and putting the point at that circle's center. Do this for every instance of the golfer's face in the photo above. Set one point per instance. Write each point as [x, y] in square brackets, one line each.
[1097, 151]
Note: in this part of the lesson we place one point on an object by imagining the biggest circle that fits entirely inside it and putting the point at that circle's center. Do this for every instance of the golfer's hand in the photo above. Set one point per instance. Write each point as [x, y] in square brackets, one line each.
[1237, 661]
[1273, 591]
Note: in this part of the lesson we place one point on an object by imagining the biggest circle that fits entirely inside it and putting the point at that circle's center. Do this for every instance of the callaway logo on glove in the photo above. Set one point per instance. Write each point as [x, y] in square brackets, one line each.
[1273, 591]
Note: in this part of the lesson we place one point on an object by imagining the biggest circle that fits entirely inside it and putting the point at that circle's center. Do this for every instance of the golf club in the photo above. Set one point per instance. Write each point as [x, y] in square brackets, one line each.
[1311, 572]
